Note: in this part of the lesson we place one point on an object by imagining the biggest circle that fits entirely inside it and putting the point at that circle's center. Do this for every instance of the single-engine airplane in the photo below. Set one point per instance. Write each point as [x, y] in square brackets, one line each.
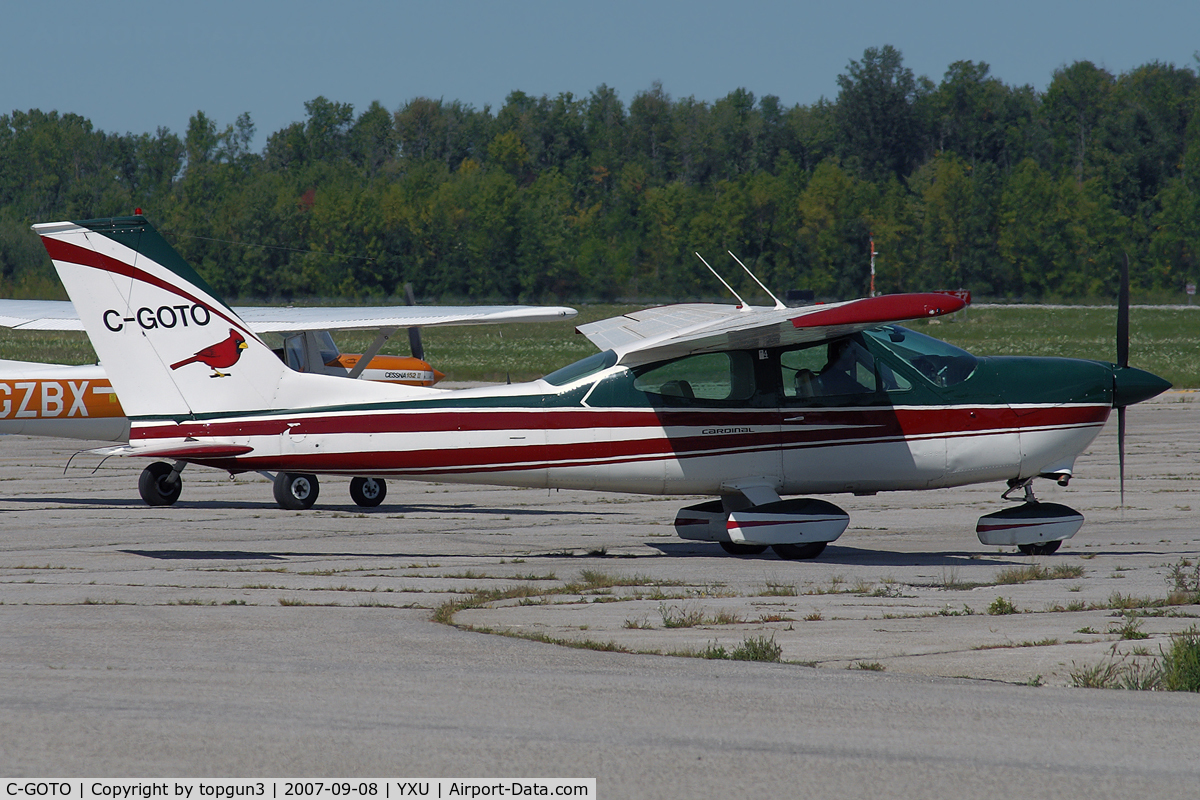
[740, 403]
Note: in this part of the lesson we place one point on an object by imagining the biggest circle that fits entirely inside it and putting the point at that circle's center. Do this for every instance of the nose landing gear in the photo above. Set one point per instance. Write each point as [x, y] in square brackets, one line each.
[1036, 528]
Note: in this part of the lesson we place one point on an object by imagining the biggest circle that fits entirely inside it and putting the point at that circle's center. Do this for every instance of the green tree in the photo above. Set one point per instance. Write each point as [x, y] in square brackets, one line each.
[1075, 103]
[834, 211]
[877, 124]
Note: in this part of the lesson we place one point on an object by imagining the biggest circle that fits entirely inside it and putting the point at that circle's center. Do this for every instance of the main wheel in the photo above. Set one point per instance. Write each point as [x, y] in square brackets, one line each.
[296, 492]
[739, 549]
[156, 485]
[798, 552]
[368, 492]
[1043, 549]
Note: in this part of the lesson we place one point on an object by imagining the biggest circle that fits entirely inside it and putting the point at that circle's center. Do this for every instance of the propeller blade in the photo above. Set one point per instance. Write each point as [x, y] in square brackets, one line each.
[414, 333]
[1122, 362]
[1123, 315]
[1121, 449]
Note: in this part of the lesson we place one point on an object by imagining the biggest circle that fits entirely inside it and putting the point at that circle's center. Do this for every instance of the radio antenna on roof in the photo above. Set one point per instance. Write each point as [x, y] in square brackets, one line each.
[778, 305]
[744, 305]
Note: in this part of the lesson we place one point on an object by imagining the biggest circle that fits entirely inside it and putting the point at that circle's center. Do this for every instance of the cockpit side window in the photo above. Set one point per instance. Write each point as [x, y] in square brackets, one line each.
[840, 368]
[714, 377]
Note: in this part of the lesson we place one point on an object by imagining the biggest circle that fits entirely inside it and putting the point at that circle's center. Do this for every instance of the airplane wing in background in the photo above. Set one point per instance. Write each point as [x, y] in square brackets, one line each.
[39, 315]
[656, 334]
[60, 315]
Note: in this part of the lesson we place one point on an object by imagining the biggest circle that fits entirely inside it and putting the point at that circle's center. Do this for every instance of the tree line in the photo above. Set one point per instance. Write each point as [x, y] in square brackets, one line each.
[1003, 190]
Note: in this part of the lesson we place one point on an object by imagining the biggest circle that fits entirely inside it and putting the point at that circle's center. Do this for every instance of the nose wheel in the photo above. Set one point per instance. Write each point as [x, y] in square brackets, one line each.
[1041, 549]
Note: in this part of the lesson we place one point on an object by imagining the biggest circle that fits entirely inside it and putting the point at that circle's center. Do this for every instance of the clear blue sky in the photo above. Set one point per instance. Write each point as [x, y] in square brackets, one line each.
[133, 66]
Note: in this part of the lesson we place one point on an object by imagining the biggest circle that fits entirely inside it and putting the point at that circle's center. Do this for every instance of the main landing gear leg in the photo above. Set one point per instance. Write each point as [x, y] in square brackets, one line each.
[160, 484]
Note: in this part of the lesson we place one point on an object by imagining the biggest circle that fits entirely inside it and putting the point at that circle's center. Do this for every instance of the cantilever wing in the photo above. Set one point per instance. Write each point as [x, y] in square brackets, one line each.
[60, 315]
[672, 331]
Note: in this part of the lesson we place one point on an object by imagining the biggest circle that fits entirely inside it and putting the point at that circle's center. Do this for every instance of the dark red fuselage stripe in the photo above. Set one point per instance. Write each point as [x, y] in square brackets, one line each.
[537, 456]
[852, 424]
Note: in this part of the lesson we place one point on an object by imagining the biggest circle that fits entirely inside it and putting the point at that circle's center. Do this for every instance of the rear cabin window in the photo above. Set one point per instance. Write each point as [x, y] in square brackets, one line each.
[719, 377]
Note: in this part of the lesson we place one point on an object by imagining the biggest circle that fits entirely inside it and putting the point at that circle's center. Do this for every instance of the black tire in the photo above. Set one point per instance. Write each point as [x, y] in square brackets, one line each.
[368, 492]
[739, 549]
[296, 491]
[156, 486]
[1043, 549]
[798, 552]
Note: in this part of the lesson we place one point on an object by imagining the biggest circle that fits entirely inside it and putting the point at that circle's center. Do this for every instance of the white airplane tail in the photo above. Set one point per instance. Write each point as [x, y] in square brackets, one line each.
[170, 345]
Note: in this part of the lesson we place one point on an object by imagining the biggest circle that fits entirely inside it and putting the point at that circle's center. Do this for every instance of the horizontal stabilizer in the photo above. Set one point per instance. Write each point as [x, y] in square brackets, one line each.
[191, 451]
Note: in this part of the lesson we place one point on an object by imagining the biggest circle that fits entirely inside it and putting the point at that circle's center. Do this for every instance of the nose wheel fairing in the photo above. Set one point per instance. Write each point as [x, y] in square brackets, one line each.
[1029, 526]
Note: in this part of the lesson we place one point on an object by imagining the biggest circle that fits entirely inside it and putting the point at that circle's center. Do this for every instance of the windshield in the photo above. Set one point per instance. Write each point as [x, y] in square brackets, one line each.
[940, 362]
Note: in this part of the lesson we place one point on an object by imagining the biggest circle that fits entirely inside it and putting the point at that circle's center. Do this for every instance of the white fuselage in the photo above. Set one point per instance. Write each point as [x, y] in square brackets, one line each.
[522, 436]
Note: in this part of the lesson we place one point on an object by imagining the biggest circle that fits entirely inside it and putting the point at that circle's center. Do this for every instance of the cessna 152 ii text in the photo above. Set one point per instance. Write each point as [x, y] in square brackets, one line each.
[744, 404]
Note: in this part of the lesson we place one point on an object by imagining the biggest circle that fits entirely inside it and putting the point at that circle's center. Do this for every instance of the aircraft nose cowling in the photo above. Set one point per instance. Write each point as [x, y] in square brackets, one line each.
[1135, 385]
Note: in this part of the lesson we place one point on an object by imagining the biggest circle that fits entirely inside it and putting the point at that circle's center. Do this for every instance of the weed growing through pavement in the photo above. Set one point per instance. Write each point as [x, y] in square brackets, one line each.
[1131, 629]
[1048, 642]
[1001, 606]
[1036, 572]
[951, 583]
[684, 617]
[1184, 580]
[757, 648]
[1176, 670]
[1181, 663]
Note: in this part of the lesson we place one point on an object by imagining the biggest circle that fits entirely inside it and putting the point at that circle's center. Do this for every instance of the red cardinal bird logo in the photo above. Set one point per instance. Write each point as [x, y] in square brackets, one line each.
[219, 356]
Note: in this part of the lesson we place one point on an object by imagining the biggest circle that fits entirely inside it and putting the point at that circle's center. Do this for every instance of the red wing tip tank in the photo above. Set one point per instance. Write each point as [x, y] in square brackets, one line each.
[756, 407]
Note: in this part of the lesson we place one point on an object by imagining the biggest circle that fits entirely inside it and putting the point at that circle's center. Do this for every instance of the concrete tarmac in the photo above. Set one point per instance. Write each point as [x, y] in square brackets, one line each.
[225, 637]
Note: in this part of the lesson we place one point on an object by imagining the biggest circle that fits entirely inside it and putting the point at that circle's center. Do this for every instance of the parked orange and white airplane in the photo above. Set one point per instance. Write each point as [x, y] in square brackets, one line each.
[740, 403]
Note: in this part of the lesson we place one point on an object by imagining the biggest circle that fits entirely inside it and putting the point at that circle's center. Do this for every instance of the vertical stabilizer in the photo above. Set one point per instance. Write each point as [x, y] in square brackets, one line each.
[170, 346]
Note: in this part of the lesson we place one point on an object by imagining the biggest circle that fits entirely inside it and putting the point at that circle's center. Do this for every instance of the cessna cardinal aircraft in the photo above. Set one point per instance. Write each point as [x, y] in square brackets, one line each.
[78, 402]
[743, 404]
